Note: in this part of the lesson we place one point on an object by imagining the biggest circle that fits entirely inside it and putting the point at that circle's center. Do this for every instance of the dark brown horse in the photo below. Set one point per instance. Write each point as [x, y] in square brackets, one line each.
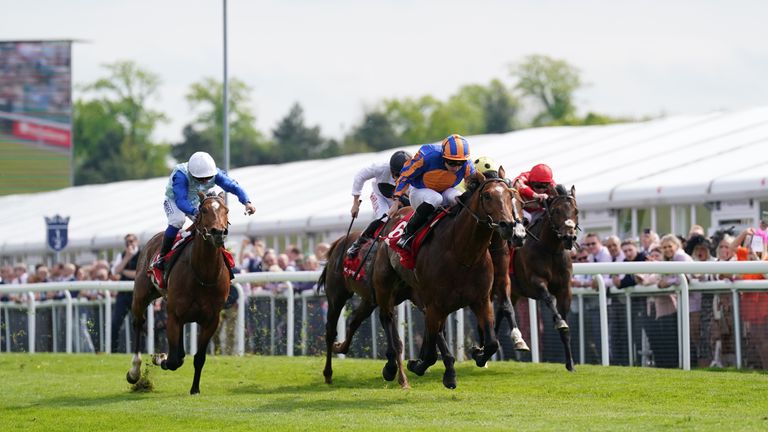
[542, 266]
[453, 270]
[198, 284]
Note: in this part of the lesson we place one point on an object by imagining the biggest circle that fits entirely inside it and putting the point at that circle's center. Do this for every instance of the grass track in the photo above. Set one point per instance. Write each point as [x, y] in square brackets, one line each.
[52, 392]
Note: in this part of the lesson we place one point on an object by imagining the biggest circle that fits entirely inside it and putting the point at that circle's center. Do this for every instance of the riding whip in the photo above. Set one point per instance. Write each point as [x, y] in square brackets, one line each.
[344, 242]
[368, 252]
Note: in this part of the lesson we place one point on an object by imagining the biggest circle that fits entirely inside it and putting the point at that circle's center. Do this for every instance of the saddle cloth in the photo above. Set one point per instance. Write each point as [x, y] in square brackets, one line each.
[182, 238]
[408, 257]
[350, 266]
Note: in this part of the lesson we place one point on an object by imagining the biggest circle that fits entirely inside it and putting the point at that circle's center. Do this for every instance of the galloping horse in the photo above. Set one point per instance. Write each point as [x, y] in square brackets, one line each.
[339, 289]
[453, 270]
[198, 285]
[542, 267]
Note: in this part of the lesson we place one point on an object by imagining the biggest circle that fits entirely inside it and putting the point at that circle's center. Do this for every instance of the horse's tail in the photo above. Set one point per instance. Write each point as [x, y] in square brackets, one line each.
[321, 280]
[324, 274]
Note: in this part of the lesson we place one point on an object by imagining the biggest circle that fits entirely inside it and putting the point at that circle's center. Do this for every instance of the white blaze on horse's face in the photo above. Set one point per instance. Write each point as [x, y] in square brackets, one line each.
[570, 223]
[215, 205]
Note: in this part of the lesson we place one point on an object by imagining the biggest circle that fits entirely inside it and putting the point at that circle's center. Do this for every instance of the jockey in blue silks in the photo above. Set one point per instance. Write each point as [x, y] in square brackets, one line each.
[181, 200]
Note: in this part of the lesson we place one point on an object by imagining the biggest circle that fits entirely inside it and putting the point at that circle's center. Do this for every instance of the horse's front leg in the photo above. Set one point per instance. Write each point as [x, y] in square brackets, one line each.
[134, 373]
[563, 307]
[484, 313]
[545, 296]
[449, 376]
[362, 312]
[174, 331]
[428, 352]
[507, 310]
[206, 333]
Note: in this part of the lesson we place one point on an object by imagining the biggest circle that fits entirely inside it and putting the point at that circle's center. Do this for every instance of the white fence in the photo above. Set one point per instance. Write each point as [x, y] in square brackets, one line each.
[734, 287]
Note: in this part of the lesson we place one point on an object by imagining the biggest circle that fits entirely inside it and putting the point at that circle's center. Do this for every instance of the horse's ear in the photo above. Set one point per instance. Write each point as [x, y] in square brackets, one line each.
[502, 173]
[221, 194]
[201, 195]
[573, 191]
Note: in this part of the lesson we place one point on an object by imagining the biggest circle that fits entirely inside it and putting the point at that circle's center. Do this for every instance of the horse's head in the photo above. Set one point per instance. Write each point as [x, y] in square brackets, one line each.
[494, 203]
[563, 214]
[212, 223]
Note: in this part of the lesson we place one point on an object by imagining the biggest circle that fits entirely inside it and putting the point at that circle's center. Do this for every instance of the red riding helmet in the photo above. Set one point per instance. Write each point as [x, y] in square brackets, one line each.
[540, 173]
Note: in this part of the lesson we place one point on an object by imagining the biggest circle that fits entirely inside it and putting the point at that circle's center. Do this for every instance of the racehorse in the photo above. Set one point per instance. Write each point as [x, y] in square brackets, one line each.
[542, 266]
[453, 269]
[197, 288]
[339, 289]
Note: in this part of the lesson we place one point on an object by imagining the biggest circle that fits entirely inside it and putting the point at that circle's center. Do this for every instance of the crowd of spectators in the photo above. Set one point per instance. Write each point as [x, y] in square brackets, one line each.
[655, 317]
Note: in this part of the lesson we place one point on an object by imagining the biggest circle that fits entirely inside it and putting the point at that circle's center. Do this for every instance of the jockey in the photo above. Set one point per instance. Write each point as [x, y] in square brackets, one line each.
[181, 200]
[534, 187]
[385, 175]
[432, 175]
[488, 167]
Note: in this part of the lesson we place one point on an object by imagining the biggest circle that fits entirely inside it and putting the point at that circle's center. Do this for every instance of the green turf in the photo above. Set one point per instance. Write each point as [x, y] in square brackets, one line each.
[26, 168]
[50, 392]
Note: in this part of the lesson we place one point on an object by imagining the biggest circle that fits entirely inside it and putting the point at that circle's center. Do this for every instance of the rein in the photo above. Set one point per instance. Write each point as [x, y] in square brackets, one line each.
[206, 235]
[489, 221]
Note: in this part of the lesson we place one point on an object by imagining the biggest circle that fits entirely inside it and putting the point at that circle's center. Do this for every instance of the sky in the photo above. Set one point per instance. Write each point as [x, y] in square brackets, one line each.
[339, 57]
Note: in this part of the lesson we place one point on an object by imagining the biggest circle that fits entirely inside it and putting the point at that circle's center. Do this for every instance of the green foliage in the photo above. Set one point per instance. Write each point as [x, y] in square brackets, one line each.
[375, 133]
[551, 83]
[53, 392]
[112, 131]
[295, 141]
[206, 132]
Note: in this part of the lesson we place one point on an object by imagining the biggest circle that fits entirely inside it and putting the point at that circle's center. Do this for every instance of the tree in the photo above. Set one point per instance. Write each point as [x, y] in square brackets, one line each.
[113, 130]
[411, 118]
[205, 133]
[551, 83]
[375, 133]
[295, 141]
[500, 108]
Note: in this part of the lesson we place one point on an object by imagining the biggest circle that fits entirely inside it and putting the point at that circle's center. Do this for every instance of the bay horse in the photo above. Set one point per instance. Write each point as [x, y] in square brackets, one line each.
[453, 270]
[197, 288]
[542, 266]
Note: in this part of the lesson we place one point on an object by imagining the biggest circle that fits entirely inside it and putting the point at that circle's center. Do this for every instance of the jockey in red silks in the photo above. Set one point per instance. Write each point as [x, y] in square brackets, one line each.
[534, 187]
[432, 174]
[181, 200]
[385, 175]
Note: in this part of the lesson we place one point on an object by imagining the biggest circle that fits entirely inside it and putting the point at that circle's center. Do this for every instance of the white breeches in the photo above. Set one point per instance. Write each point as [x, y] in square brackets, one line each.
[447, 198]
[380, 203]
[175, 216]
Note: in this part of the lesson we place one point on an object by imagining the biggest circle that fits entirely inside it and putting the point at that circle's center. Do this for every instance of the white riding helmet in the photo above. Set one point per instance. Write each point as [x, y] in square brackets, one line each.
[201, 165]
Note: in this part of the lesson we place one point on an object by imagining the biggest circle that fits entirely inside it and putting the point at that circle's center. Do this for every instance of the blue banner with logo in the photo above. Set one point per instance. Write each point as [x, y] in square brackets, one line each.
[57, 232]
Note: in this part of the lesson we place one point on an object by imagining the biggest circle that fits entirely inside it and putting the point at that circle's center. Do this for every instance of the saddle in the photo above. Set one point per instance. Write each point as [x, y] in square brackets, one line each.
[183, 238]
[408, 257]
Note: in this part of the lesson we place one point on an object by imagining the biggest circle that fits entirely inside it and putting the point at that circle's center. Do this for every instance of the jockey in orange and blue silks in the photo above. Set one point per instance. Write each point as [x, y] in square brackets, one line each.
[432, 176]
[181, 200]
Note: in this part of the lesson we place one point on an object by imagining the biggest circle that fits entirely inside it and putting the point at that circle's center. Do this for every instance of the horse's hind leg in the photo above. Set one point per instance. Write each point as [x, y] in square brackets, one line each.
[206, 333]
[335, 305]
[362, 312]
[142, 298]
[394, 366]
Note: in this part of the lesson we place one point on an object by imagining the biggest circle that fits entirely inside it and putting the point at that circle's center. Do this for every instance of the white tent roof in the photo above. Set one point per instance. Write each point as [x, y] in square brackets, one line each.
[676, 160]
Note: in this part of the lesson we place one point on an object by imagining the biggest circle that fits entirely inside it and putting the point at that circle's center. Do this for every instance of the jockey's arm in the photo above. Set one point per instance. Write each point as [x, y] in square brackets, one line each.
[180, 188]
[230, 185]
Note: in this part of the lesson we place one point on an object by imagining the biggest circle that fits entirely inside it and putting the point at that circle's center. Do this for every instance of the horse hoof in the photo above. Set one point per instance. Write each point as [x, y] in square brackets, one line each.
[562, 325]
[158, 359]
[389, 372]
[449, 380]
[522, 346]
[130, 379]
[337, 348]
[570, 368]
[413, 366]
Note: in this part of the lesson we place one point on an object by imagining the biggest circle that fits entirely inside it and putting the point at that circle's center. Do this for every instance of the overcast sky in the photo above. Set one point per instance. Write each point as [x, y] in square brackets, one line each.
[337, 57]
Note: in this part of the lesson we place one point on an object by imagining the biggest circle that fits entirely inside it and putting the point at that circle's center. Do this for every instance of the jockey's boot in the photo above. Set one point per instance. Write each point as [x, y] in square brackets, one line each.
[167, 245]
[417, 221]
[365, 236]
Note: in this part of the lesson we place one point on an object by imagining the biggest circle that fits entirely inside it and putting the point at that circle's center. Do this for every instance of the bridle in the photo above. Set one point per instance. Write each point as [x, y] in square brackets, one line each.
[548, 206]
[488, 220]
[205, 233]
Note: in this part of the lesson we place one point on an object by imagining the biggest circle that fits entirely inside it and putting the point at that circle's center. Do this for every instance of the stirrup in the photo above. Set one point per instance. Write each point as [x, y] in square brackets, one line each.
[405, 242]
[353, 250]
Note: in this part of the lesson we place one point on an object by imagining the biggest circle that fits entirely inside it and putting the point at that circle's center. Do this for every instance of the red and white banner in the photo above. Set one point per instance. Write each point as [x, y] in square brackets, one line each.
[42, 133]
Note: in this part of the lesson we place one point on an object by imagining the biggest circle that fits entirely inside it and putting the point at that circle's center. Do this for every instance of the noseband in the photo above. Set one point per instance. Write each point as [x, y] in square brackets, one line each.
[548, 206]
[205, 233]
[488, 221]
